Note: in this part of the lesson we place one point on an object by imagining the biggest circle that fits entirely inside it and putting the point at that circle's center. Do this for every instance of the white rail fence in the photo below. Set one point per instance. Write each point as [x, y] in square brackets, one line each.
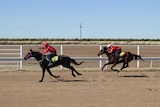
[12, 55]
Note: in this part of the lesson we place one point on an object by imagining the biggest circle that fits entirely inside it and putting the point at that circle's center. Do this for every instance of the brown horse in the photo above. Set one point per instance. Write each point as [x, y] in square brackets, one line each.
[126, 58]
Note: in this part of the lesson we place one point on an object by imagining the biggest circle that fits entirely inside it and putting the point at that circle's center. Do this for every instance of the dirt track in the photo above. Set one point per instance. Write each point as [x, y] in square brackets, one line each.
[92, 89]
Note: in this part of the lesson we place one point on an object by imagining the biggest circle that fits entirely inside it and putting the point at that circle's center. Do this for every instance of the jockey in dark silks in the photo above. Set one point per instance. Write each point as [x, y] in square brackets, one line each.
[116, 50]
[49, 48]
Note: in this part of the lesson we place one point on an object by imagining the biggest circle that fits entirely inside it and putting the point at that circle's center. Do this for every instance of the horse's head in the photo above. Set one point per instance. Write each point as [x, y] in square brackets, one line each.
[29, 54]
[102, 51]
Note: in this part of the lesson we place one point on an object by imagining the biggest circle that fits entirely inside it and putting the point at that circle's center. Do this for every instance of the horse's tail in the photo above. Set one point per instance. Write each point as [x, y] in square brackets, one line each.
[74, 62]
[137, 57]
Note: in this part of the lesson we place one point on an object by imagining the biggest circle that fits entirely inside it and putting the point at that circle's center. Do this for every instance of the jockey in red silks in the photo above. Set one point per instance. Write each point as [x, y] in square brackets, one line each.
[48, 48]
[116, 50]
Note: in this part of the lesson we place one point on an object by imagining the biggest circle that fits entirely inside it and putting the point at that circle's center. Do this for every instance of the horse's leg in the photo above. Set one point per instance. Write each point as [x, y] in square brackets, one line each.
[43, 73]
[105, 65]
[128, 58]
[73, 69]
[123, 66]
[67, 65]
[126, 63]
[73, 74]
[49, 71]
[115, 69]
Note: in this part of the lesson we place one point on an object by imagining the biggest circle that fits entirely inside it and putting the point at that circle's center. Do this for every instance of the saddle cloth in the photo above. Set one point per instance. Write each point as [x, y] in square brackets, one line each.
[54, 59]
[122, 54]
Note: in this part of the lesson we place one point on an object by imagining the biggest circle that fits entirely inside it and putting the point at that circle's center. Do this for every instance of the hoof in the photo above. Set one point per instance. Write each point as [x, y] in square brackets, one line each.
[80, 74]
[60, 79]
[57, 76]
[118, 72]
[40, 81]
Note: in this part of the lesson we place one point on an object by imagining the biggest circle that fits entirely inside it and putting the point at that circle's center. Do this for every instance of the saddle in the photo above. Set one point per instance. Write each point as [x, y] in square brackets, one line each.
[122, 54]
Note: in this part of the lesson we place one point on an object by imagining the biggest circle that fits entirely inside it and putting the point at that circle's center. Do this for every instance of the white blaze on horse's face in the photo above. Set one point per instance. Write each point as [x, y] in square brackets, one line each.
[28, 55]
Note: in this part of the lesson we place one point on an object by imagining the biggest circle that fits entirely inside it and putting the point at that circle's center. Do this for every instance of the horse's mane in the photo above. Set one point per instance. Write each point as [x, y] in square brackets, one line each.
[105, 48]
[36, 52]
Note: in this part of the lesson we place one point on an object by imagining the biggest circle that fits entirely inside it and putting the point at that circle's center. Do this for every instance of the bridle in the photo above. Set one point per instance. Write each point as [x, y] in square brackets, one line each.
[28, 55]
[105, 50]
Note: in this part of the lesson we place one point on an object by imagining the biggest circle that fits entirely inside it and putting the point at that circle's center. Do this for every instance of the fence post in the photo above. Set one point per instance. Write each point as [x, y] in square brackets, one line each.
[138, 51]
[100, 61]
[61, 54]
[151, 65]
[20, 62]
[61, 49]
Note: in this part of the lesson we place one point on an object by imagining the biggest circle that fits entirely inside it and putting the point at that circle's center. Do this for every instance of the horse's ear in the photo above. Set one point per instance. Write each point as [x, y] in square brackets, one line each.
[30, 50]
[105, 47]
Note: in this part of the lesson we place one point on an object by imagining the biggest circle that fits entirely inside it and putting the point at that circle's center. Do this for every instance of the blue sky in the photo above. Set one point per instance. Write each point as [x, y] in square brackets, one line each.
[139, 19]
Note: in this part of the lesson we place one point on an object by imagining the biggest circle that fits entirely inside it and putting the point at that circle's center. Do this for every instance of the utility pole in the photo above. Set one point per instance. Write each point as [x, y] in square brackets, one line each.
[80, 30]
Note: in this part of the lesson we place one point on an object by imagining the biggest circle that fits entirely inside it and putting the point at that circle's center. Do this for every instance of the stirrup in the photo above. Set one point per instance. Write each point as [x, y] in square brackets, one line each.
[50, 64]
[120, 59]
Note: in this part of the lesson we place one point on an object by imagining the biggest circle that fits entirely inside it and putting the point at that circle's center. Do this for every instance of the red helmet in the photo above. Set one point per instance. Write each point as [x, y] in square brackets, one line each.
[45, 44]
[109, 45]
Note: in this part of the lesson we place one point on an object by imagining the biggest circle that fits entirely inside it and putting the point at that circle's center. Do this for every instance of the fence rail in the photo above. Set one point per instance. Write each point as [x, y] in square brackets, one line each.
[11, 50]
[63, 49]
[76, 58]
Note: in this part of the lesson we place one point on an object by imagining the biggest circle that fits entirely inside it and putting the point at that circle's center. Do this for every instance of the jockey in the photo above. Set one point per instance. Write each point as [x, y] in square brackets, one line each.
[49, 48]
[116, 50]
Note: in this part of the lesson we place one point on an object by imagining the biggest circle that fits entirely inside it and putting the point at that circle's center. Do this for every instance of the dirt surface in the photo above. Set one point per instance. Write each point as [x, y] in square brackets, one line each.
[92, 89]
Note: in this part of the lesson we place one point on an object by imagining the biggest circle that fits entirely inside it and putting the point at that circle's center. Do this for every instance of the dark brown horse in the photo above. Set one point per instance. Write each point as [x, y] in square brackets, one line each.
[126, 58]
[63, 60]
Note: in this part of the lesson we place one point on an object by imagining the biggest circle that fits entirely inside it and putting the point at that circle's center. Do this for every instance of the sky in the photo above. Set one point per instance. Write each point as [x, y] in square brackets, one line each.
[126, 19]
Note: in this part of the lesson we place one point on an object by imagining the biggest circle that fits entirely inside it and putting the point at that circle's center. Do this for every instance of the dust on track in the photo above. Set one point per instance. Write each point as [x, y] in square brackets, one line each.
[92, 89]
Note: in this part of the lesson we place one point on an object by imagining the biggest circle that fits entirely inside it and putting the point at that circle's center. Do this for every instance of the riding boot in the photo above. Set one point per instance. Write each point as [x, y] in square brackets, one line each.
[117, 59]
[120, 58]
[50, 64]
